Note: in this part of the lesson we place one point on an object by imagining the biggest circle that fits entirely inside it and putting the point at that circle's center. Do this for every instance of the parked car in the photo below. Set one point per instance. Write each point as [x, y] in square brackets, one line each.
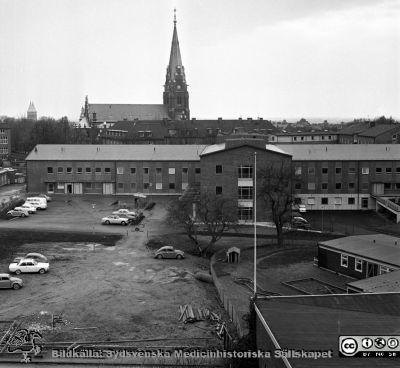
[42, 195]
[9, 282]
[169, 252]
[36, 256]
[28, 265]
[300, 223]
[38, 202]
[302, 208]
[115, 219]
[125, 213]
[17, 213]
[26, 206]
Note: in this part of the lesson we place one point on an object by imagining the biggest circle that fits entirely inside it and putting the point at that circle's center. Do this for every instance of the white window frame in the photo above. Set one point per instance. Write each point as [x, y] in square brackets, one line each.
[171, 170]
[358, 265]
[120, 171]
[338, 200]
[344, 260]
[158, 186]
[365, 170]
[310, 186]
[311, 200]
[384, 269]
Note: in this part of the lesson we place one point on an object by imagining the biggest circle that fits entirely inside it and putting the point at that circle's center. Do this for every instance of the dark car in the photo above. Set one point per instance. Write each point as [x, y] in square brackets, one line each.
[300, 223]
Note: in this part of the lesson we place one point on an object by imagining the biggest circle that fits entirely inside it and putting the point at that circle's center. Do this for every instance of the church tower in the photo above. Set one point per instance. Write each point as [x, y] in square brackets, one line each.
[176, 96]
[32, 113]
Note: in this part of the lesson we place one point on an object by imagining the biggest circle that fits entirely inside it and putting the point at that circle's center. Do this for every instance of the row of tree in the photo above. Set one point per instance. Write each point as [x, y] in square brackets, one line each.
[25, 134]
[212, 215]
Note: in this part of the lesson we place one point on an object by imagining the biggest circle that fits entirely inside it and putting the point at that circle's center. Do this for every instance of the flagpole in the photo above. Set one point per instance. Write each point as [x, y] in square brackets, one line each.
[255, 221]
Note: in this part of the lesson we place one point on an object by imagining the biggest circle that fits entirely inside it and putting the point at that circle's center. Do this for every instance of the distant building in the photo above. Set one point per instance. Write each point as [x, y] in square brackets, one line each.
[5, 141]
[175, 104]
[32, 112]
[369, 133]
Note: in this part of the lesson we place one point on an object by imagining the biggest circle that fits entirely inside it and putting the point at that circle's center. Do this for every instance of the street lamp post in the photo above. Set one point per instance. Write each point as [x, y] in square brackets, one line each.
[255, 223]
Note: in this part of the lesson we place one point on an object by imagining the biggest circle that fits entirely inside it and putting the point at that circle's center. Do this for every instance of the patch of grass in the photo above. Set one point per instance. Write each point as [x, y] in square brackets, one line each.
[289, 256]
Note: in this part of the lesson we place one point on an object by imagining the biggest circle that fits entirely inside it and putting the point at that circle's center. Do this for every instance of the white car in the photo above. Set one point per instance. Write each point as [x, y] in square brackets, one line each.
[115, 219]
[18, 213]
[39, 203]
[35, 256]
[302, 208]
[26, 206]
[125, 212]
[28, 265]
[48, 198]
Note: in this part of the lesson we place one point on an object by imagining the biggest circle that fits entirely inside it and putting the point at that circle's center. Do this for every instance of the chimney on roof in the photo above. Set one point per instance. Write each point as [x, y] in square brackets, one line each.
[240, 118]
[193, 119]
[219, 119]
[374, 240]
[261, 119]
[35, 149]
[250, 119]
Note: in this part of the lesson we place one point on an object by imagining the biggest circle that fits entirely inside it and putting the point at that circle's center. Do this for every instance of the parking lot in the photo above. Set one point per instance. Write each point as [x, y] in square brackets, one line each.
[105, 292]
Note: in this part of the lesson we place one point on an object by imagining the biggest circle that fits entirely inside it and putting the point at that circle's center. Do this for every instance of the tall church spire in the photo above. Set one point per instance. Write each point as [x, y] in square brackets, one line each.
[176, 96]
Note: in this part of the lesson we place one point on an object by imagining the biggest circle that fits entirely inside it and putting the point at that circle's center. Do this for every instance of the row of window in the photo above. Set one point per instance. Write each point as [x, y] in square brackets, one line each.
[120, 170]
[351, 185]
[4, 150]
[244, 193]
[351, 170]
[3, 140]
[358, 264]
[301, 138]
[244, 172]
[336, 201]
[132, 186]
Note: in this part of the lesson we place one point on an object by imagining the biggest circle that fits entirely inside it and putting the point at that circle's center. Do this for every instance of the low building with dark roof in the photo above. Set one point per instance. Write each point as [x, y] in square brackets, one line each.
[385, 283]
[369, 133]
[315, 323]
[360, 256]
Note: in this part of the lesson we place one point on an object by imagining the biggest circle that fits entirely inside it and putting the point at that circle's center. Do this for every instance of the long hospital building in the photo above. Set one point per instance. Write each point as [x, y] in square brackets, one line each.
[330, 177]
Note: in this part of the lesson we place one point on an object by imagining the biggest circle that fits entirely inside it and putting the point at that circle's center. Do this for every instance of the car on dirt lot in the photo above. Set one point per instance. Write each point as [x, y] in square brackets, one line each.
[9, 282]
[26, 206]
[125, 212]
[169, 252]
[115, 219]
[26, 265]
[300, 223]
[17, 213]
[48, 198]
[302, 208]
[35, 256]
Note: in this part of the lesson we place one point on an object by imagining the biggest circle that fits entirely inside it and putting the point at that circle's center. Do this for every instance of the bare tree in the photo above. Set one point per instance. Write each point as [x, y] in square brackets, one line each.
[276, 190]
[213, 214]
[218, 214]
[180, 212]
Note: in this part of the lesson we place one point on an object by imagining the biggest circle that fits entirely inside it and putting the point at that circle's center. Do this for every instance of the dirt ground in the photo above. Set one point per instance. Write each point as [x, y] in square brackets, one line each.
[107, 292]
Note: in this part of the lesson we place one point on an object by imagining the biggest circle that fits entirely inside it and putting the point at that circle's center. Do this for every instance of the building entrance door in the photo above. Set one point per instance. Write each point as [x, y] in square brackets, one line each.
[108, 188]
[372, 269]
[68, 188]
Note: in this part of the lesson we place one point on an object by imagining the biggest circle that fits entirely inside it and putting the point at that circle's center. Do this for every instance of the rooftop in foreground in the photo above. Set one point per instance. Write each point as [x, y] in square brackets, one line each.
[316, 322]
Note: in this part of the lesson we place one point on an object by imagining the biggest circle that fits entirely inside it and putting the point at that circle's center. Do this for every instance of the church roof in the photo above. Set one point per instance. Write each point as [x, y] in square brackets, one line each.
[31, 107]
[120, 112]
[175, 59]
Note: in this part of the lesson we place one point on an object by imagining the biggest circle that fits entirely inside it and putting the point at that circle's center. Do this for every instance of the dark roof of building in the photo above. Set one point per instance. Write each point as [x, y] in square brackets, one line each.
[123, 152]
[379, 129]
[118, 112]
[354, 128]
[214, 148]
[315, 322]
[388, 282]
[379, 247]
[343, 152]
[200, 128]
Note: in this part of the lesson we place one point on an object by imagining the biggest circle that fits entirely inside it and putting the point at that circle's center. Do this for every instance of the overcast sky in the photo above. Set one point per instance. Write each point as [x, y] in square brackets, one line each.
[258, 58]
